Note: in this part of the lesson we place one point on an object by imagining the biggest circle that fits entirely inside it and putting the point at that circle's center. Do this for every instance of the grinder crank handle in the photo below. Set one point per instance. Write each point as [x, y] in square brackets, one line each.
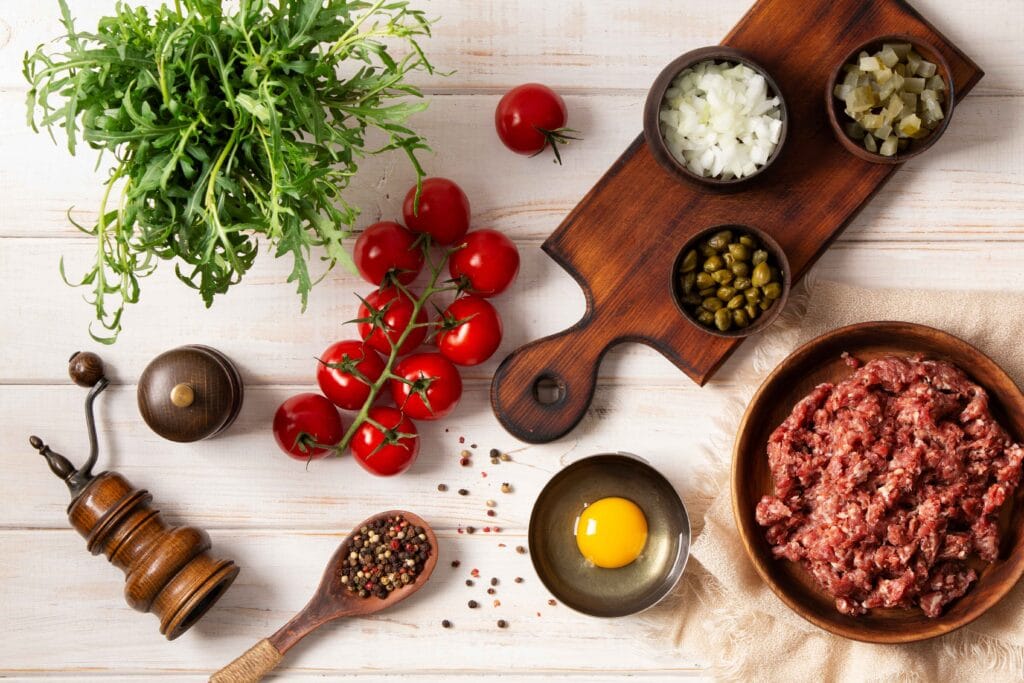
[543, 389]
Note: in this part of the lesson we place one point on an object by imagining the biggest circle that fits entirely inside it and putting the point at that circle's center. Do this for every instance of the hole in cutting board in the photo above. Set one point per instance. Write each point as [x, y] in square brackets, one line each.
[549, 390]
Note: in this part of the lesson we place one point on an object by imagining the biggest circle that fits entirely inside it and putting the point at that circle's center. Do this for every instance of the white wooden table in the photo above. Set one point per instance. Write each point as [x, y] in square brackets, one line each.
[953, 218]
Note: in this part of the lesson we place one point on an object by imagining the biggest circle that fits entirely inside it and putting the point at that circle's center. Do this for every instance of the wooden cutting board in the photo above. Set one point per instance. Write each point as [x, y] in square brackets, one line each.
[621, 240]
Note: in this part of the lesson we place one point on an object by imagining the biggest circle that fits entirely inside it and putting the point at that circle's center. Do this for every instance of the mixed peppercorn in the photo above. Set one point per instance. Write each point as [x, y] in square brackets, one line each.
[385, 555]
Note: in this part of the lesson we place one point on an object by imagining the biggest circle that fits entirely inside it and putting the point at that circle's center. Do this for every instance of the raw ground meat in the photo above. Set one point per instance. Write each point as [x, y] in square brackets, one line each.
[886, 483]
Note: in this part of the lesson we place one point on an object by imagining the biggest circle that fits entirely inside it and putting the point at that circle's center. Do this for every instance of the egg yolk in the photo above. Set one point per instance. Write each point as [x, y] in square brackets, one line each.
[611, 532]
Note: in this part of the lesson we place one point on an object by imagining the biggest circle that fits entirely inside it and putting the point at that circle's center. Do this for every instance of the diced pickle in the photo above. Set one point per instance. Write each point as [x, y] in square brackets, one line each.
[901, 49]
[870, 144]
[888, 147]
[914, 85]
[926, 69]
[870, 64]
[910, 125]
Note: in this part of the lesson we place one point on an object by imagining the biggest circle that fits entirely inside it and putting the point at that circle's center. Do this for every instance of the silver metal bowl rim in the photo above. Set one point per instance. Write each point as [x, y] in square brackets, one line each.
[687, 532]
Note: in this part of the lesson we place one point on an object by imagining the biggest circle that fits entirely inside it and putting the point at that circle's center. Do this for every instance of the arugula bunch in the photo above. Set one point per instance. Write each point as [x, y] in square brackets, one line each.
[225, 127]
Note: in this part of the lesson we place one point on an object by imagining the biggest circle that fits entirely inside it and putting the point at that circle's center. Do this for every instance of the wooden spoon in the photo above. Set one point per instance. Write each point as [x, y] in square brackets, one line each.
[331, 601]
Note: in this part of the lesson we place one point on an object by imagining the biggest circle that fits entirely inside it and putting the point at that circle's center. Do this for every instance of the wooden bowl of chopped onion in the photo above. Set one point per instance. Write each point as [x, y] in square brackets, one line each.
[890, 99]
[716, 118]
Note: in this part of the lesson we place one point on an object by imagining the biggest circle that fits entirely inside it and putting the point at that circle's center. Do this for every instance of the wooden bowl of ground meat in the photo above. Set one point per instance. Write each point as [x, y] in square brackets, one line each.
[876, 482]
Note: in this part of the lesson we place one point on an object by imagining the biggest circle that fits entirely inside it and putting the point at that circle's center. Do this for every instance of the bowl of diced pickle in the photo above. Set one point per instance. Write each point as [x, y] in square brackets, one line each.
[890, 99]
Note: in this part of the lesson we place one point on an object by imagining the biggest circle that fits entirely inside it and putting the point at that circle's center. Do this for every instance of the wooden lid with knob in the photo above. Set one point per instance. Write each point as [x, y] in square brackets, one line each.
[190, 393]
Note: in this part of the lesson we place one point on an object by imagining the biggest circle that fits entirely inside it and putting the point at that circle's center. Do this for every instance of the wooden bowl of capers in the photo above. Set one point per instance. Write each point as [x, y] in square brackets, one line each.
[731, 280]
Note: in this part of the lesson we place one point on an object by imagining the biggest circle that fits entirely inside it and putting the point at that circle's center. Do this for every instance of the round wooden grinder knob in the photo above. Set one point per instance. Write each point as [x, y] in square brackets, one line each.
[190, 393]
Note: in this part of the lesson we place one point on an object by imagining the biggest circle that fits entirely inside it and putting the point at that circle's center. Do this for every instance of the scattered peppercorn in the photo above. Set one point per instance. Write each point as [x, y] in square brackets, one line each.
[521, 550]
[506, 457]
[497, 603]
[506, 487]
[475, 573]
[465, 462]
[455, 563]
[494, 581]
[446, 624]
[487, 529]
[466, 454]
[502, 623]
[491, 591]
[384, 555]
[472, 445]
[463, 492]
[469, 582]
[442, 487]
[473, 604]
[491, 513]
[552, 602]
[519, 579]
[495, 453]
[490, 503]
[470, 529]
[462, 439]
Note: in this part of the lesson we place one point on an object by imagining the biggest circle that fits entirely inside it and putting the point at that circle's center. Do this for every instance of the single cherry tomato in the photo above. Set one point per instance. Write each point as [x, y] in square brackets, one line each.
[470, 331]
[443, 210]
[531, 117]
[306, 426]
[432, 388]
[389, 452]
[387, 247]
[395, 319]
[338, 372]
[489, 262]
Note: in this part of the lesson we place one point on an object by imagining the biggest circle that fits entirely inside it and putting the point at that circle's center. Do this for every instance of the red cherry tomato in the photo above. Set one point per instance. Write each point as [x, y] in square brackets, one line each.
[432, 375]
[489, 261]
[395, 319]
[443, 211]
[389, 452]
[476, 338]
[342, 383]
[384, 248]
[306, 426]
[531, 117]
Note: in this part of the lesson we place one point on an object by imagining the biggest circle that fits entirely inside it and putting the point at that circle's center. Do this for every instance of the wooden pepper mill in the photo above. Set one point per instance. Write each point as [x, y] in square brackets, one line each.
[168, 571]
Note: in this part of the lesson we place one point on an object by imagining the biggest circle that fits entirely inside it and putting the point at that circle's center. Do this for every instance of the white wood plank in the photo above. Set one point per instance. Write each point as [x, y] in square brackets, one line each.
[579, 45]
[967, 187]
[261, 328]
[241, 480]
[64, 613]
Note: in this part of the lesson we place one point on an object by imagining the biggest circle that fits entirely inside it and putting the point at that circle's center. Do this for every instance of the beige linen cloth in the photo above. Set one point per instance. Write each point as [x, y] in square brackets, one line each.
[725, 615]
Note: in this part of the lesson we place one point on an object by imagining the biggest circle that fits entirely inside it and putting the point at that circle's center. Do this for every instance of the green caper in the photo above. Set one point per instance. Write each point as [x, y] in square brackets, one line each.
[736, 302]
[708, 291]
[739, 251]
[723, 319]
[752, 311]
[766, 304]
[742, 284]
[753, 295]
[725, 292]
[704, 280]
[713, 263]
[759, 256]
[720, 240]
[761, 276]
[772, 291]
[748, 241]
[689, 281]
[740, 318]
[705, 317]
[689, 261]
[713, 303]
[740, 269]
[723, 276]
[729, 259]
[692, 299]
[707, 251]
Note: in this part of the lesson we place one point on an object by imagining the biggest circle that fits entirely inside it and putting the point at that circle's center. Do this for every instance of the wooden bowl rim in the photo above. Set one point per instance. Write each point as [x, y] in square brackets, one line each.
[939, 627]
[656, 94]
[770, 315]
[833, 110]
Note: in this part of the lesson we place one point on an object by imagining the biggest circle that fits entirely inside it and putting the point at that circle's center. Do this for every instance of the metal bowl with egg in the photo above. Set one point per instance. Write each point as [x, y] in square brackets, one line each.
[609, 536]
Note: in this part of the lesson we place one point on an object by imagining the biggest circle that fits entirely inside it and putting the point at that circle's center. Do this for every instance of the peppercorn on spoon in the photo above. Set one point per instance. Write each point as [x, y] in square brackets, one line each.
[332, 600]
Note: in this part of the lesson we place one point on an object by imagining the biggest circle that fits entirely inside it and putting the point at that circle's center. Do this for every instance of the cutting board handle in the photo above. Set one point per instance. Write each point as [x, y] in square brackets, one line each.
[542, 390]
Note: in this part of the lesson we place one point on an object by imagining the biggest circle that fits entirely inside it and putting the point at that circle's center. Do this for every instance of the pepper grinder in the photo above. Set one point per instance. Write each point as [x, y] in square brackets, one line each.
[168, 570]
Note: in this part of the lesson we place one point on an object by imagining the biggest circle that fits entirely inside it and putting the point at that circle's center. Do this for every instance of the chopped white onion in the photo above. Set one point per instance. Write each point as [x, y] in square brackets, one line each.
[719, 121]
